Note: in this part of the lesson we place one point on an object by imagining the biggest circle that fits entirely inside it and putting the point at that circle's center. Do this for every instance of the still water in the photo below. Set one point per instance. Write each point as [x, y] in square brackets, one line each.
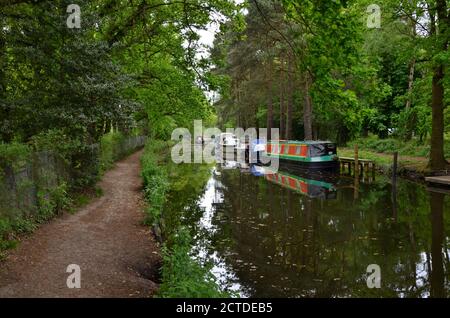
[292, 234]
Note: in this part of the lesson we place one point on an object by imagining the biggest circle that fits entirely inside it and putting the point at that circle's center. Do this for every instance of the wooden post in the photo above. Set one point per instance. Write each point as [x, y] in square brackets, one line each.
[394, 168]
[373, 171]
[356, 192]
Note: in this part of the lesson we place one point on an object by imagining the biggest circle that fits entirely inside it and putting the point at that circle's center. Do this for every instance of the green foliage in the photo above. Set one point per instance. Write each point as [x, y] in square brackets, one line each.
[379, 145]
[155, 181]
[57, 141]
[15, 154]
[155, 191]
[53, 77]
[52, 201]
[57, 190]
[390, 145]
[110, 145]
[184, 277]
[361, 80]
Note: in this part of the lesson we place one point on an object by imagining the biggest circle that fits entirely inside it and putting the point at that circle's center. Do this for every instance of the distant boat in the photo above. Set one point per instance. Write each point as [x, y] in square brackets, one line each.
[225, 140]
[304, 154]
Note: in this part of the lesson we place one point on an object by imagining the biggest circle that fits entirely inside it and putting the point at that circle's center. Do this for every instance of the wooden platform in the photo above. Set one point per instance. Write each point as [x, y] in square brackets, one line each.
[366, 168]
[439, 180]
[364, 164]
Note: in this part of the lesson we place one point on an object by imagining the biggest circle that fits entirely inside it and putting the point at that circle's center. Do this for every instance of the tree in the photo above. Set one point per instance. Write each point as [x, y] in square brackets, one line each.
[440, 30]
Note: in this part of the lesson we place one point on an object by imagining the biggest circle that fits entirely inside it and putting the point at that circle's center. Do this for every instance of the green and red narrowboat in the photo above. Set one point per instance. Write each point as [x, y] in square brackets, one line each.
[304, 154]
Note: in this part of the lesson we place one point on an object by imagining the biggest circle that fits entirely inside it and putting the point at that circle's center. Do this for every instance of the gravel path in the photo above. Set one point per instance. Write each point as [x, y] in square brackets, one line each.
[117, 255]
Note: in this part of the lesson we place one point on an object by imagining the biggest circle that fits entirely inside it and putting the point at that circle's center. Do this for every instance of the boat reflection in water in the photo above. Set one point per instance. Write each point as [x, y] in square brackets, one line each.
[312, 185]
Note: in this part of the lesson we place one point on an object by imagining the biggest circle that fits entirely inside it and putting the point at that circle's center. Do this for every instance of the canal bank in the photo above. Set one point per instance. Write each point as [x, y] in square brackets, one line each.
[165, 183]
[409, 167]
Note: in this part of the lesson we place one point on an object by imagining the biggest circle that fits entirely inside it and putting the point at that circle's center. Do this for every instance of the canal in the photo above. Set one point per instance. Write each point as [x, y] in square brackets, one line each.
[295, 235]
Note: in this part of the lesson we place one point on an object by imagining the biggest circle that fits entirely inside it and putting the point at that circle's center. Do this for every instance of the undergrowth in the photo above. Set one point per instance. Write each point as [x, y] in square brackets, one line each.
[182, 275]
[412, 147]
[70, 192]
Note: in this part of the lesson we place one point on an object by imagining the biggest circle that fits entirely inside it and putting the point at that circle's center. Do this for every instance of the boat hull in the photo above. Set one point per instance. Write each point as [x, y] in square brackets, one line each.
[331, 165]
[323, 165]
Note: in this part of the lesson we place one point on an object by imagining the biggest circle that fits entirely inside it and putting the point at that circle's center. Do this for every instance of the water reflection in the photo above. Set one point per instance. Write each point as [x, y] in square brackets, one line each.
[291, 235]
[437, 240]
[312, 186]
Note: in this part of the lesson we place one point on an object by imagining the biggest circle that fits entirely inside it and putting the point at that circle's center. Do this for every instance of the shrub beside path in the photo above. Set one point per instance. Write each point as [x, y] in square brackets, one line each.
[116, 253]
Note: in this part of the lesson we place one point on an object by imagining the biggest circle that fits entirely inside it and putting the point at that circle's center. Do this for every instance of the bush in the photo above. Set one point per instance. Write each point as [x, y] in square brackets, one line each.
[14, 154]
[155, 193]
[376, 144]
[110, 145]
[57, 141]
[52, 201]
[155, 181]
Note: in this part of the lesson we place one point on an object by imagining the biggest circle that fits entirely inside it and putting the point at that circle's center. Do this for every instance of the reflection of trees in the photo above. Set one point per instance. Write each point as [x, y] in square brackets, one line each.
[187, 184]
[437, 224]
[309, 247]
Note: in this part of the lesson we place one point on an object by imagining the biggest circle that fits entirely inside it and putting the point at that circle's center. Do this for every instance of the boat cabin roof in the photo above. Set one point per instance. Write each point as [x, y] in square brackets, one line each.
[304, 142]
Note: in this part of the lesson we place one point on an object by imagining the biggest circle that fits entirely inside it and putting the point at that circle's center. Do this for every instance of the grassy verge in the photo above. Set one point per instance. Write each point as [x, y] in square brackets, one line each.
[411, 148]
[182, 276]
[413, 167]
[384, 161]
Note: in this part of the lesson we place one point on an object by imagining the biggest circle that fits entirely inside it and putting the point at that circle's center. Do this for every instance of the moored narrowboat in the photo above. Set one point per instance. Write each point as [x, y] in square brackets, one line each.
[306, 154]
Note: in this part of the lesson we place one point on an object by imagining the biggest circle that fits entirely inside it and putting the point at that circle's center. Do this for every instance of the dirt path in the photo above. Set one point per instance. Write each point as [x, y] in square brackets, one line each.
[117, 255]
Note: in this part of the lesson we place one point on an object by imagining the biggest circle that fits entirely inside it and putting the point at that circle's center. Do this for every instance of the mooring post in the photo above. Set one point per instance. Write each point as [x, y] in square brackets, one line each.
[356, 186]
[394, 168]
[373, 170]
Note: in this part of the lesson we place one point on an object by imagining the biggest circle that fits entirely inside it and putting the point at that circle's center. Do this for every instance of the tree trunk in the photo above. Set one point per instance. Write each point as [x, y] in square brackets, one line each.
[409, 122]
[238, 102]
[412, 66]
[290, 100]
[282, 97]
[5, 133]
[269, 104]
[2, 61]
[437, 160]
[307, 111]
